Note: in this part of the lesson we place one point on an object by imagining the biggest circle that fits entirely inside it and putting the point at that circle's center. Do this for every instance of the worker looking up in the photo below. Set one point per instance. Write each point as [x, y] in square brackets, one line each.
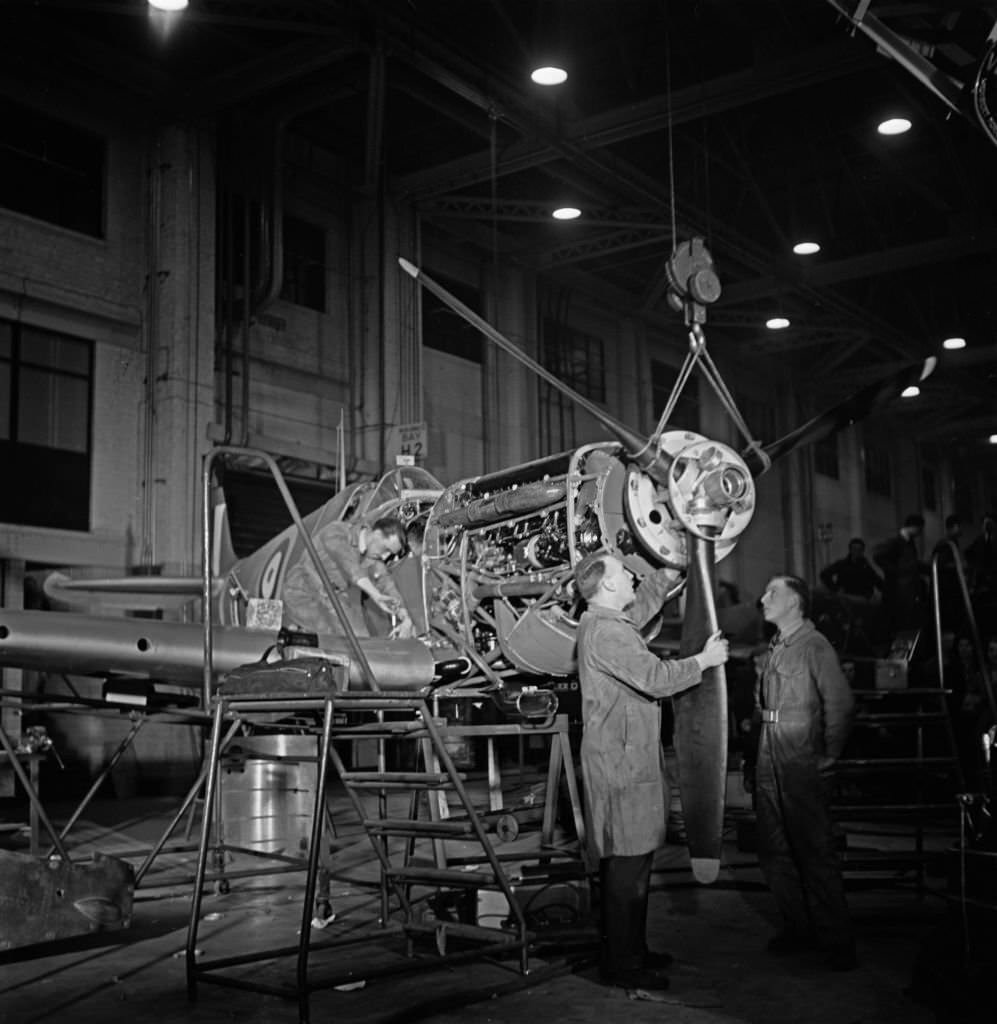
[804, 705]
[623, 762]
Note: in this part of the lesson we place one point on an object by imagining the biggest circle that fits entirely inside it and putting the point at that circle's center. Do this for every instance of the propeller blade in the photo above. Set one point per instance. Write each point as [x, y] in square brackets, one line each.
[859, 406]
[638, 447]
[701, 721]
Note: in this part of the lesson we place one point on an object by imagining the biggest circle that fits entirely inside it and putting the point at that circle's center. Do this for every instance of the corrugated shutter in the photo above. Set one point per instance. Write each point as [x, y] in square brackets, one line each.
[257, 511]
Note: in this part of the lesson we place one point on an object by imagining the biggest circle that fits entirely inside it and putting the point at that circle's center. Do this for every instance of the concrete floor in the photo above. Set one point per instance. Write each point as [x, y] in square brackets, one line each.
[722, 973]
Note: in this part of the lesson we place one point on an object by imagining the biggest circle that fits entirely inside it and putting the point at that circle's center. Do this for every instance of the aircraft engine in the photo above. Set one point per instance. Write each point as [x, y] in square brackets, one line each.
[500, 549]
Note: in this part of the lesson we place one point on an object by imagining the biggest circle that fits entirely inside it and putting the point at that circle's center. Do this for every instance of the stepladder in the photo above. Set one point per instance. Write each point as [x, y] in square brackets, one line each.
[439, 838]
[430, 856]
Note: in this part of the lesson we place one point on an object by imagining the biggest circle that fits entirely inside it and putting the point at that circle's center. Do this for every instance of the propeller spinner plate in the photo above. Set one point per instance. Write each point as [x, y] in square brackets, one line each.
[711, 494]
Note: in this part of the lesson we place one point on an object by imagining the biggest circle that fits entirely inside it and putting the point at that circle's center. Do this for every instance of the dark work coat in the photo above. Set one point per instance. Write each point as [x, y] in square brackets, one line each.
[623, 763]
[856, 578]
[804, 688]
[903, 586]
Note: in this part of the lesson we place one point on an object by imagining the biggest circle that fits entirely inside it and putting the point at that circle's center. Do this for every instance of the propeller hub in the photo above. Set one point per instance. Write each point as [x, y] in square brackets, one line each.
[726, 487]
[711, 491]
[707, 491]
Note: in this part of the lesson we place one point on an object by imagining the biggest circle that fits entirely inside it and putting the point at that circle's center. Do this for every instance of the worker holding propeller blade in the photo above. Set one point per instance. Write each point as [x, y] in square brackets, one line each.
[623, 763]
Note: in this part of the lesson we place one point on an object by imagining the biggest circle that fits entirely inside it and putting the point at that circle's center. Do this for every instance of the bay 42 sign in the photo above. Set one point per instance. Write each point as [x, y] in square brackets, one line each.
[408, 439]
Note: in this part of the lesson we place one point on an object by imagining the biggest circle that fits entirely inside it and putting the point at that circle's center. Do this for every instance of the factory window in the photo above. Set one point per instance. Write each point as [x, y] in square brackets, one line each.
[685, 415]
[826, 456]
[256, 509]
[575, 358]
[304, 264]
[240, 226]
[878, 468]
[45, 401]
[51, 170]
[447, 331]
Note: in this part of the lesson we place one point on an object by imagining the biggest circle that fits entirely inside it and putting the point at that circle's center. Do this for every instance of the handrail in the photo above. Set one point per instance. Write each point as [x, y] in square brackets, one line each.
[970, 618]
[356, 650]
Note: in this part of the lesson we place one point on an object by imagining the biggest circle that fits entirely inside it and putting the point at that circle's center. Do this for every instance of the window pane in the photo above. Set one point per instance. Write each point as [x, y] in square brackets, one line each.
[304, 264]
[42, 348]
[575, 358]
[52, 170]
[51, 488]
[6, 339]
[52, 411]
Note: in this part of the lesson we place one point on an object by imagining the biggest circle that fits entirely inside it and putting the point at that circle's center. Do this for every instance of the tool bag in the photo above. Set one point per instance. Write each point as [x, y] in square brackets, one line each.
[281, 672]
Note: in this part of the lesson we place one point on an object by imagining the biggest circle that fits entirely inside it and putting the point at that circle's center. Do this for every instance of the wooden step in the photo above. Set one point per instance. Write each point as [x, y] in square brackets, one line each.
[899, 716]
[417, 829]
[872, 860]
[390, 730]
[367, 702]
[891, 763]
[850, 812]
[907, 691]
[441, 876]
[444, 930]
[398, 780]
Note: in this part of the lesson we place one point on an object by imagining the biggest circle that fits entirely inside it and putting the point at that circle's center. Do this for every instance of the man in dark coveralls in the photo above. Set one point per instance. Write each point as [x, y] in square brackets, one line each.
[805, 706]
[353, 555]
[623, 763]
[852, 575]
[903, 576]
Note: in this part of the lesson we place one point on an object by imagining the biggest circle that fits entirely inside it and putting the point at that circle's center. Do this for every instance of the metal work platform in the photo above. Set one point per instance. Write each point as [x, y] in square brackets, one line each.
[435, 852]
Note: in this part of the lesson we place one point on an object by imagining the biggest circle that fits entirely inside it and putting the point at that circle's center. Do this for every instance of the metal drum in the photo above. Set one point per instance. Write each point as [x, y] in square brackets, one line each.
[267, 786]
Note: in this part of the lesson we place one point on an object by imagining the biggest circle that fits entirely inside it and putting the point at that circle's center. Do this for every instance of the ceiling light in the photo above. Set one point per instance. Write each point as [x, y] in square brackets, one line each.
[912, 392]
[566, 213]
[893, 126]
[549, 75]
[806, 248]
[954, 343]
[168, 5]
[777, 323]
[992, 439]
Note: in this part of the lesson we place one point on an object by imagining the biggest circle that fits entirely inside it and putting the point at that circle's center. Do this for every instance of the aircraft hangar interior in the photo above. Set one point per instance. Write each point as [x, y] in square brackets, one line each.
[499, 510]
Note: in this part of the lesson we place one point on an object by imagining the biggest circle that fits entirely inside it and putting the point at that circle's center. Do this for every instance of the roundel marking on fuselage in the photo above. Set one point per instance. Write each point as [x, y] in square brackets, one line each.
[271, 572]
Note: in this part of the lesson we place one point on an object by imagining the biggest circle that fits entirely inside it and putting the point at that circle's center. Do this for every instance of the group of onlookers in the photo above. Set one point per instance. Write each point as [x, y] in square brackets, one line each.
[903, 578]
[914, 590]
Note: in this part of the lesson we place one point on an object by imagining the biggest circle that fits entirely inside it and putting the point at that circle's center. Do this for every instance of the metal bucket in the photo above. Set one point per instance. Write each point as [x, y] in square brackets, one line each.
[267, 790]
[460, 748]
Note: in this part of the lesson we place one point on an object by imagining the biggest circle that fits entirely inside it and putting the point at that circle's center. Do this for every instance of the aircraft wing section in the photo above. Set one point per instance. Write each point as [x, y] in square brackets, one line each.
[174, 651]
[93, 645]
